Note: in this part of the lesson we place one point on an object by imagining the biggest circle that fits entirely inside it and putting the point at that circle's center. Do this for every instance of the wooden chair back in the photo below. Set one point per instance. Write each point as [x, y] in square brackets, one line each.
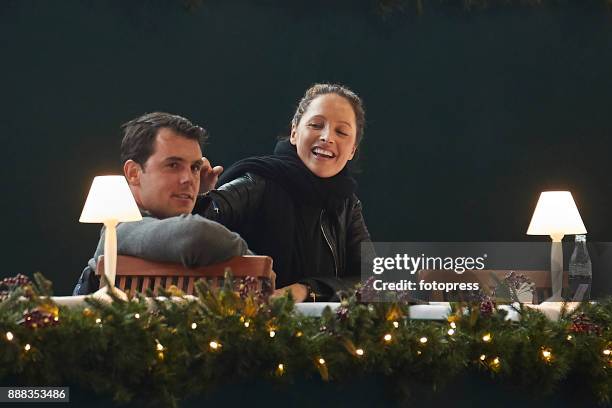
[485, 278]
[137, 274]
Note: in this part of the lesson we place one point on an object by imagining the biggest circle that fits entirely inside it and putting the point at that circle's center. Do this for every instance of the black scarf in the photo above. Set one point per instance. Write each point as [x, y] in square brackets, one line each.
[287, 169]
[274, 233]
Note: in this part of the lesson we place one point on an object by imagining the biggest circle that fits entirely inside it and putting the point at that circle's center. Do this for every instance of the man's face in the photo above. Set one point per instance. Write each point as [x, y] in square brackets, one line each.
[168, 184]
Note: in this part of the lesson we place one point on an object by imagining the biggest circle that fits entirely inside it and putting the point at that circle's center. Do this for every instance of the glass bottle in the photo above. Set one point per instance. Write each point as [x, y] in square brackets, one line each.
[580, 271]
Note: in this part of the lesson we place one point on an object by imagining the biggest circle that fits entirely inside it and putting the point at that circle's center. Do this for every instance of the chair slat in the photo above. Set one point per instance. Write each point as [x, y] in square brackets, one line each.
[190, 285]
[122, 281]
[134, 286]
[156, 284]
[145, 284]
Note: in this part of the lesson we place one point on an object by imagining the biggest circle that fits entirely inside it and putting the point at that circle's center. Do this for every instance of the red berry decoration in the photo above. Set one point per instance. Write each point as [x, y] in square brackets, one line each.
[342, 313]
[250, 285]
[487, 303]
[45, 315]
[14, 282]
[487, 308]
[37, 319]
[247, 285]
[581, 323]
[7, 285]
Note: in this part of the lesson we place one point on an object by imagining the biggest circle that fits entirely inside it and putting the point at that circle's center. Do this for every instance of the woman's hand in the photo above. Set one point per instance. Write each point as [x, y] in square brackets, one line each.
[209, 176]
[299, 292]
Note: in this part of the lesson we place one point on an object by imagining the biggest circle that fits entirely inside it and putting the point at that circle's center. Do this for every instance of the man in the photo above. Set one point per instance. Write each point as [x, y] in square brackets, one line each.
[162, 164]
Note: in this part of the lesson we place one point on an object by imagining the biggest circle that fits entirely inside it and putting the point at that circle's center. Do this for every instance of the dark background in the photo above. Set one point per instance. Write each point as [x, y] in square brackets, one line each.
[470, 113]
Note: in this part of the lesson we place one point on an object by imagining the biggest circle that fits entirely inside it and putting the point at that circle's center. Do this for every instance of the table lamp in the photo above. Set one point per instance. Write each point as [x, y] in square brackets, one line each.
[110, 202]
[556, 215]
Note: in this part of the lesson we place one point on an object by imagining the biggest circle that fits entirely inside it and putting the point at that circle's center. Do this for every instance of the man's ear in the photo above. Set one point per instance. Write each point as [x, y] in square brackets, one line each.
[293, 136]
[132, 171]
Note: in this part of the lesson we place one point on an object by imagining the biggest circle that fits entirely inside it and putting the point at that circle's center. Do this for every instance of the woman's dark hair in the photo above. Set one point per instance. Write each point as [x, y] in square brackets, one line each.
[139, 134]
[317, 90]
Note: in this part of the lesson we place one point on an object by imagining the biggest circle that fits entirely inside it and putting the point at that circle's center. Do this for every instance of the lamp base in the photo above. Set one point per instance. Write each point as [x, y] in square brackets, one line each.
[102, 294]
[556, 268]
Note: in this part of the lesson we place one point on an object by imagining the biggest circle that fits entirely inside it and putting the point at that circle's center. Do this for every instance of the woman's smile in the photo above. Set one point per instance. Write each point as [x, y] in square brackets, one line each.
[323, 154]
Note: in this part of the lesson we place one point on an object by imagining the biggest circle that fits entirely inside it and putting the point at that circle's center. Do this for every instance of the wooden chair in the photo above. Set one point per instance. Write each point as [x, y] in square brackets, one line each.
[485, 278]
[139, 274]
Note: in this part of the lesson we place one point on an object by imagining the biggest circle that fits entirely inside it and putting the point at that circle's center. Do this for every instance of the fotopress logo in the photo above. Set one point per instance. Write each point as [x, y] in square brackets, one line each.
[405, 262]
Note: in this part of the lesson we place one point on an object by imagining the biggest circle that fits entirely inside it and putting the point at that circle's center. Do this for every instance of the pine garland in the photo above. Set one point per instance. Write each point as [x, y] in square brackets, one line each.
[159, 351]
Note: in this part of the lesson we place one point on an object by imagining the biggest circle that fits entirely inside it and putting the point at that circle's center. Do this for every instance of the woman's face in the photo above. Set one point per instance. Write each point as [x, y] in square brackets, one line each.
[326, 135]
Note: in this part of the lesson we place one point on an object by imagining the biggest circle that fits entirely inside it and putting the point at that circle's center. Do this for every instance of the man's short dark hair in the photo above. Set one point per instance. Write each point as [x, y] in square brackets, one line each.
[139, 134]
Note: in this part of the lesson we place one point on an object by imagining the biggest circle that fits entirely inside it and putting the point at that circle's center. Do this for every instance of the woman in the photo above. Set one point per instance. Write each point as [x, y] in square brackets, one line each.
[298, 205]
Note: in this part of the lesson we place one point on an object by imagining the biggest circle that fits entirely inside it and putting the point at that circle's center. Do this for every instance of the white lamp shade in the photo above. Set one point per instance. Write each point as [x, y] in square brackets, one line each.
[556, 214]
[109, 199]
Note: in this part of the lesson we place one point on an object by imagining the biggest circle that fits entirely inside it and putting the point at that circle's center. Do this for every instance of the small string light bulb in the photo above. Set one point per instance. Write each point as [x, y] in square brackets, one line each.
[214, 345]
[396, 324]
[359, 352]
[487, 337]
[194, 325]
[387, 337]
[272, 333]
[451, 332]
[9, 336]
[27, 347]
[137, 316]
[321, 361]
[423, 340]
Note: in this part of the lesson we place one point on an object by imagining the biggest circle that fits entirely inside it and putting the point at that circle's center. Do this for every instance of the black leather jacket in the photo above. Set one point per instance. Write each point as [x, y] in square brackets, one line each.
[239, 205]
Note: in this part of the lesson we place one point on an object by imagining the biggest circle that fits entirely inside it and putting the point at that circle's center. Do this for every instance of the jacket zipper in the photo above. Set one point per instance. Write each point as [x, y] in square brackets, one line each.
[328, 243]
